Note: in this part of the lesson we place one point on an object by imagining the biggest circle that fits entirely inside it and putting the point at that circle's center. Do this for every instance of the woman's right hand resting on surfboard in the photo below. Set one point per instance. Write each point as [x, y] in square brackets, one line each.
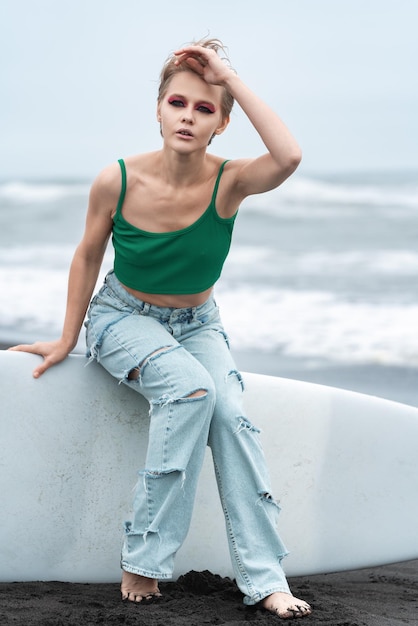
[53, 352]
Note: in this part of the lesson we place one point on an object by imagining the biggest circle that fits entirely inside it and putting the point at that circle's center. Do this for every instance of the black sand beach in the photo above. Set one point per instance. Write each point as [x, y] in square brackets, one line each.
[383, 596]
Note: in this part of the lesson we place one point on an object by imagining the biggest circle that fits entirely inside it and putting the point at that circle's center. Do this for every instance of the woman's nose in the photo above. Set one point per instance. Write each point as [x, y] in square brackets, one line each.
[187, 116]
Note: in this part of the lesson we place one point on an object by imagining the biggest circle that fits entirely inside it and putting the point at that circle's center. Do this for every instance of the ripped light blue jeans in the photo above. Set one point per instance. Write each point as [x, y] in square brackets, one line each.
[179, 359]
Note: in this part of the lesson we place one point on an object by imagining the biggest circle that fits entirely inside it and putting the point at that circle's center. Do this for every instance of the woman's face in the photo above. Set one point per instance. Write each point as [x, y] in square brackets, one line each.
[190, 112]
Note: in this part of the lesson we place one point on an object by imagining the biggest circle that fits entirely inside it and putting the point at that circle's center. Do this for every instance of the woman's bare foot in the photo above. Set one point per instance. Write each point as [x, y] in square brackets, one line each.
[138, 588]
[286, 606]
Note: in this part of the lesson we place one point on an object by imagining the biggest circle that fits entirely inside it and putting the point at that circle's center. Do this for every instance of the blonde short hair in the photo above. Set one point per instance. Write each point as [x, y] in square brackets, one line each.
[170, 69]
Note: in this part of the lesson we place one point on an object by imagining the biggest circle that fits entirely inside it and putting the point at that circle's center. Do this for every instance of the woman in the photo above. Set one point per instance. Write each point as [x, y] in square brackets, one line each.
[154, 324]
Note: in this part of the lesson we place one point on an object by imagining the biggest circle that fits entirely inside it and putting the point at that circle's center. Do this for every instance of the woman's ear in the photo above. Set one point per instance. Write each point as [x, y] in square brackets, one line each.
[220, 129]
[222, 126]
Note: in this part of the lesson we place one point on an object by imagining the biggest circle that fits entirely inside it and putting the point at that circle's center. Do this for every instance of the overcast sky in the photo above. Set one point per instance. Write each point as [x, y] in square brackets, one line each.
[79, 79]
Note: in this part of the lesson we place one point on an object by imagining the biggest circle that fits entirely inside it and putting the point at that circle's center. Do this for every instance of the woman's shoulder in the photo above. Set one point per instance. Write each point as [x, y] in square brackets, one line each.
[107, 178]
[106, 187]
[111, 173]
[108, 181]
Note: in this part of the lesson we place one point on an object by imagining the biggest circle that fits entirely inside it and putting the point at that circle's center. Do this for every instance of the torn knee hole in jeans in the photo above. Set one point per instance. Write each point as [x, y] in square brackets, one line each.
[135, 373]
[159, 474]
[195, 396]
[198, 393]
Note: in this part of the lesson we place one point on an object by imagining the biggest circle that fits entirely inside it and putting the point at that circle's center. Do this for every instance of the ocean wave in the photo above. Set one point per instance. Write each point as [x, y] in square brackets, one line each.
[300, 193]
[22, 192]
[308, 324]
[270, 262]
[37, 256]
[297, 191]
[43, 260]
[316, 325]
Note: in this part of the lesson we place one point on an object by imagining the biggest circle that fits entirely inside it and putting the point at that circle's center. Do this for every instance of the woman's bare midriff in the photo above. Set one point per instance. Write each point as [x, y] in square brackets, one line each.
[174, 301]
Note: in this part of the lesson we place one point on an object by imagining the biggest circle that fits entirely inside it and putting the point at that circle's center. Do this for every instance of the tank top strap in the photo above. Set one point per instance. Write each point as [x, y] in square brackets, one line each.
[218, 178]
[123, 186]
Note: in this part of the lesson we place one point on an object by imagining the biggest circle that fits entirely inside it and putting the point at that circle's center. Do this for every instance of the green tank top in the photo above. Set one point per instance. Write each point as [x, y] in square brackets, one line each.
[183, 261]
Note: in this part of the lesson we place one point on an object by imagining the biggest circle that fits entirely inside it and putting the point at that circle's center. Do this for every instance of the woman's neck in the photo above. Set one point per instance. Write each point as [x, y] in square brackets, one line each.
[183, 169]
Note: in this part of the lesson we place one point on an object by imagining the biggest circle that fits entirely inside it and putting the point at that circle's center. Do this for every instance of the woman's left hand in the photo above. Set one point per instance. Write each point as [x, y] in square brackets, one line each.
[205, 62]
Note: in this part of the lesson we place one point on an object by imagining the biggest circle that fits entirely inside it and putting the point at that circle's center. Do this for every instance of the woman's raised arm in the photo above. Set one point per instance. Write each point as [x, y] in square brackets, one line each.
[284, 154]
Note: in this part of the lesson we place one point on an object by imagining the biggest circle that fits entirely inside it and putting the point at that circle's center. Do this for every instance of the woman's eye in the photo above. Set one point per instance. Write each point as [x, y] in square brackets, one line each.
[204, 109]
[176, 103]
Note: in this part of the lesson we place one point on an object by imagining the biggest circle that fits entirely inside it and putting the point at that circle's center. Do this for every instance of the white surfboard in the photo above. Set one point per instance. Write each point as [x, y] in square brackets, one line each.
[344, 468]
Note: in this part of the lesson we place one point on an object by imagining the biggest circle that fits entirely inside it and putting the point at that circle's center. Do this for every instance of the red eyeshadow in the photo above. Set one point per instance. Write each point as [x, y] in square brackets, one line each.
[207, 105]
[176, 99]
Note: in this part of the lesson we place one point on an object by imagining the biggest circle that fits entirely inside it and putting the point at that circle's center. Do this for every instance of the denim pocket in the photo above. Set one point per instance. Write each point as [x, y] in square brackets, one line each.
[107, 298]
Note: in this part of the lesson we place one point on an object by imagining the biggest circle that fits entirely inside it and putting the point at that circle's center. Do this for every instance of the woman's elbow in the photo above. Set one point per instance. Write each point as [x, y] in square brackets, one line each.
[295, 158]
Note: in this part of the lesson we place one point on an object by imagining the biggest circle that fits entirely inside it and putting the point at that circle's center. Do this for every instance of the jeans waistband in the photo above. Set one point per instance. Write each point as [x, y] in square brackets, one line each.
[162, 313]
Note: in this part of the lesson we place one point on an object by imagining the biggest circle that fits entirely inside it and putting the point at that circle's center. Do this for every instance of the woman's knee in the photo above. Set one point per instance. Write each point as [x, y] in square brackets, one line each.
[135, 373]
[173, 371]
